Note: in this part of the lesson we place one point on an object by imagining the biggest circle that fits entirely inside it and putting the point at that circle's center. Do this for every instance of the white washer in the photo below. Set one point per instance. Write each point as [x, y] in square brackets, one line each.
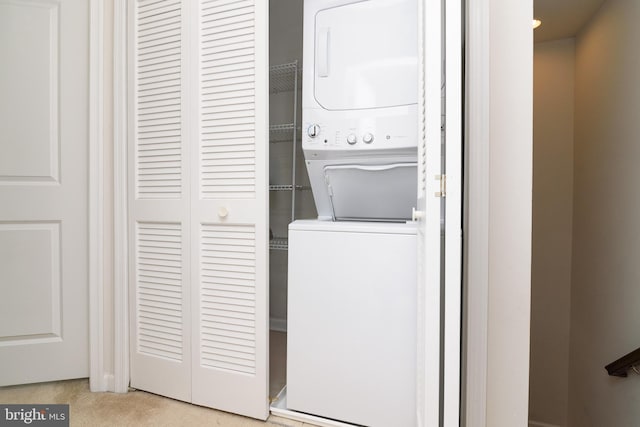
[360, 107]
[351, 339]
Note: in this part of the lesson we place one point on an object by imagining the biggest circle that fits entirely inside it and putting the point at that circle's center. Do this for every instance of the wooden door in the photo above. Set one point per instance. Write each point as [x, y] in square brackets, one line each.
[43, 187]
[229, 208]
[198, 202]
[159, 200]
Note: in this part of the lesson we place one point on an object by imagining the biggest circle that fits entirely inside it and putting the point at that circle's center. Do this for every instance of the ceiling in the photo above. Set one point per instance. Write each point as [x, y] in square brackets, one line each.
[562, 18]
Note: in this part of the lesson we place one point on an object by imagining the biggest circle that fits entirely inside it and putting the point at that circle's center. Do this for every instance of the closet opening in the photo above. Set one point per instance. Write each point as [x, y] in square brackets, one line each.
[290, 195]
[202, 246]
[343, 178]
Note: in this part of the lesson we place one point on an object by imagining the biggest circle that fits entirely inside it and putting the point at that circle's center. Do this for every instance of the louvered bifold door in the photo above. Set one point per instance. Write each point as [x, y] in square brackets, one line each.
[230, 208]
[159, 200]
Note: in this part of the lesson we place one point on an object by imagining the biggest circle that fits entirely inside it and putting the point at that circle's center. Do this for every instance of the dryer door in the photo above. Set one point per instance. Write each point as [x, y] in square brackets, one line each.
[366, 55]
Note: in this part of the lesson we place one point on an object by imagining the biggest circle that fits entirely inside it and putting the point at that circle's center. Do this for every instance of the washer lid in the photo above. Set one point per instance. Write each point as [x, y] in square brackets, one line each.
[372, 192]
[366, 55]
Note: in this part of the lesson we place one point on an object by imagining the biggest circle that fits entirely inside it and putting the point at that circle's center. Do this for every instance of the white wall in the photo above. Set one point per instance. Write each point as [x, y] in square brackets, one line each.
[498, 270]
[605, 293]
[553, 114]
[510, 186]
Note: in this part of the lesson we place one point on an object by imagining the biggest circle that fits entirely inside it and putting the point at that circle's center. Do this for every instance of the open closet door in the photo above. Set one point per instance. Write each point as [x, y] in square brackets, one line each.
[429, 215]
[198, 207]
[230, 208]
[439, 214]
[453, 131]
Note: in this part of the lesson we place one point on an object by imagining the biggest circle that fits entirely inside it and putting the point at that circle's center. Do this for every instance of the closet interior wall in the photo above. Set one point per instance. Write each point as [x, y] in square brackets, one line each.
[285, 47]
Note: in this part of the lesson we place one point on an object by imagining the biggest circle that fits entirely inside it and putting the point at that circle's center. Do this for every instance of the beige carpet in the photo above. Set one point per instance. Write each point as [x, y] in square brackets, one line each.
[136, 408]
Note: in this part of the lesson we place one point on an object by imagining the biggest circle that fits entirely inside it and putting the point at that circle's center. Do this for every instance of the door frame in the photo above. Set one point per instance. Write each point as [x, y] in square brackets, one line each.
[120, 197]
[476, 226]
[105, 27]
[98, 378]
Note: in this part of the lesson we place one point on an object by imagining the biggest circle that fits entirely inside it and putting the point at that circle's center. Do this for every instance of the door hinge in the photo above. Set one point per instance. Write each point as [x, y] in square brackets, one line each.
[443, 186]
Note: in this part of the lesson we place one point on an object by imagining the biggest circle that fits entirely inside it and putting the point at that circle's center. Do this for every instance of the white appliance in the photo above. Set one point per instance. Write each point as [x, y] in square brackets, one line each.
[351, 339]
[360, 107]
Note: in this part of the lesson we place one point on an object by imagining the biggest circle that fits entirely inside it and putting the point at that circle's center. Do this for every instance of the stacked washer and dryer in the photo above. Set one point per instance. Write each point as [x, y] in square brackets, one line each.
[351, 341]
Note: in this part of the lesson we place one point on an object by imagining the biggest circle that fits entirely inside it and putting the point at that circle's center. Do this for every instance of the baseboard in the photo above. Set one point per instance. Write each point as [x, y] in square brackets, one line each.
[279, 325]
[539, 424]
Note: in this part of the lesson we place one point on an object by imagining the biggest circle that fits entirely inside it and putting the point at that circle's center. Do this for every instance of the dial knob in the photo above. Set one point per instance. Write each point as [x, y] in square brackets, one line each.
[313, 131]
[351, 139]
[368, 138]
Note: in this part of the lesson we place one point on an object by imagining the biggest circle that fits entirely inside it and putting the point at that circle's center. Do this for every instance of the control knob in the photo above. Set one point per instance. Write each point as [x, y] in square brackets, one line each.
[367, 138]
[351, 139]
[313, 131]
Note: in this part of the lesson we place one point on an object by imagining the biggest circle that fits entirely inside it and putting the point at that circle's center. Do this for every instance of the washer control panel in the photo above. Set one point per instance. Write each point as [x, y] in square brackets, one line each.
[322, 131]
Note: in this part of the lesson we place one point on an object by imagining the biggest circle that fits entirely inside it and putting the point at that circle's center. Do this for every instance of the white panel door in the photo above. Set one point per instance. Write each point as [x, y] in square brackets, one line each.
[43, 188]
[158, 191]
[230, 209]
[198, 185]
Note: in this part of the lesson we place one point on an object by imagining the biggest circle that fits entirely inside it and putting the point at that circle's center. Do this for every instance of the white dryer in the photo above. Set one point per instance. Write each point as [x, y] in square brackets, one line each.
[360, 107]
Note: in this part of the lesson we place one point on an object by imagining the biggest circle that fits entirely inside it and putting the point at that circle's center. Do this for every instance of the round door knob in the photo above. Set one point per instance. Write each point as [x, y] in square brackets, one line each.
[223, 212]
[367, 138]
[351, 139]
[313, 131]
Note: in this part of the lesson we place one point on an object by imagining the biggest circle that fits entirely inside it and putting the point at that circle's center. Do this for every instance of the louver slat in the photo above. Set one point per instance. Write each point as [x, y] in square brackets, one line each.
[159, 290]
[158, 100]
[227, 74]
[227, 298]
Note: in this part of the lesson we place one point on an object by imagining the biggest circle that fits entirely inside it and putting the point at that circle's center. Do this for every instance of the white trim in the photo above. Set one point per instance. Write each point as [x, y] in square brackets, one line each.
[476, 277]
[120, 274]
[97, 378]
[540, 424]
